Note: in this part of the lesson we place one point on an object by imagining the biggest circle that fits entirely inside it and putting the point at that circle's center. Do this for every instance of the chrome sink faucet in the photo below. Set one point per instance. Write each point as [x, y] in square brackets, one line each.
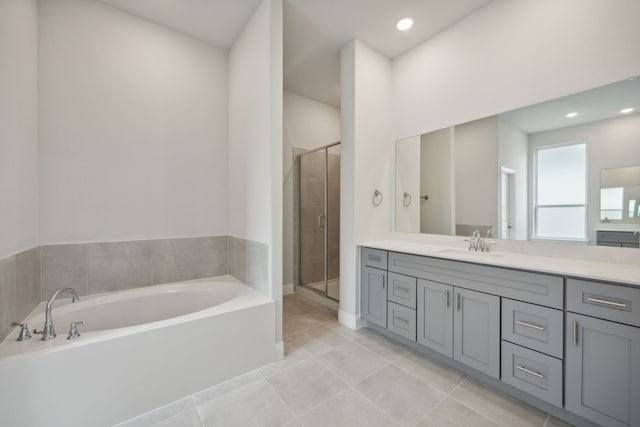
[49, 333]
[478, 244]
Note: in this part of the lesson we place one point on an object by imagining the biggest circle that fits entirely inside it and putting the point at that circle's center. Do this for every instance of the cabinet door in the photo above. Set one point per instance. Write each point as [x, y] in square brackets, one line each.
[476, 331]
[602, 371]
[374, 295]
[435, 316]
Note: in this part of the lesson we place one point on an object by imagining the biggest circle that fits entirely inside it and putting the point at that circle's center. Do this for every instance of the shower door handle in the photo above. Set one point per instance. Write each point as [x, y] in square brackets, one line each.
[322, 220]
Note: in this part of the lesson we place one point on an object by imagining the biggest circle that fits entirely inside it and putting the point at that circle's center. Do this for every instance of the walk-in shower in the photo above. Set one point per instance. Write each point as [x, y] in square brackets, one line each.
[318, 220]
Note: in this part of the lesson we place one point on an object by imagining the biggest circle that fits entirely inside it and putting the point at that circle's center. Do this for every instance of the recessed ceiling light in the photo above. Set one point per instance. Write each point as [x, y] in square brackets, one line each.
[626, 110]
[570, 115]
[404, 24]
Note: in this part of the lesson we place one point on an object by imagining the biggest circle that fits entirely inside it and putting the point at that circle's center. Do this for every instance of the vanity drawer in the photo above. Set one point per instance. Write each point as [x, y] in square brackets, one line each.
[603, 300]
[402, 289]
[538, 328]
[401, 320]
[374, 258]
[532, 372]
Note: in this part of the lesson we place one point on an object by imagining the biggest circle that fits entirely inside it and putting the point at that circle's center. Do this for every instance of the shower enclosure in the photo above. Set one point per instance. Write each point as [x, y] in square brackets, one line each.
[318, 220]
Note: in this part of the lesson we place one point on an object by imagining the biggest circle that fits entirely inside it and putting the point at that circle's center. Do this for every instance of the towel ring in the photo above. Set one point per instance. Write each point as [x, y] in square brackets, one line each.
[406, 199]
[377, 198]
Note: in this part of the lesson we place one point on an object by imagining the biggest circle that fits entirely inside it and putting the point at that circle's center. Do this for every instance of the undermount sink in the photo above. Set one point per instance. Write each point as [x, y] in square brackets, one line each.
[470, 254]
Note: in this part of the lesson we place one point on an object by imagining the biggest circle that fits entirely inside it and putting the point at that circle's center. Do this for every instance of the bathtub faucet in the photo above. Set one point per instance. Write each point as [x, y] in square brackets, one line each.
[49, 333]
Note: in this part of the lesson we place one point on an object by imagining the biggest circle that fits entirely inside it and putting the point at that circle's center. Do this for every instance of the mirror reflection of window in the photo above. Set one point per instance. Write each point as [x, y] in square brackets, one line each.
[560, 206]
[611, 203]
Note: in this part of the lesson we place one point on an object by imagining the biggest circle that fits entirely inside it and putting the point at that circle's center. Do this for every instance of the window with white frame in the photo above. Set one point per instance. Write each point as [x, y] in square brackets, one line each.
[560, 208]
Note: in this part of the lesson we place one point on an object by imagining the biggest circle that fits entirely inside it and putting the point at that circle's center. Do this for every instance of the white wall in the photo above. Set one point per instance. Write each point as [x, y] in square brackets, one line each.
[367, 162]
[408, 180]
[510, 54]
[18, 126]
[476, 173]
[255, 139]
[437, 180]
[612, 143]
[512, 154]
[308, 124]
[133, 128]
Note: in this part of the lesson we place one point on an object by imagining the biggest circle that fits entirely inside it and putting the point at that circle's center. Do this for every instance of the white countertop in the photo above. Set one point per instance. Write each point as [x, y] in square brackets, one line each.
[611, 226]
[622, 273]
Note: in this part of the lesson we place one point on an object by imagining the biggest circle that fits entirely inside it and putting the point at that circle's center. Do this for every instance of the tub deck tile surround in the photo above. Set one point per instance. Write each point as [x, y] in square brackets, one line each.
[287, 393]
[115, 266]
[19, 287]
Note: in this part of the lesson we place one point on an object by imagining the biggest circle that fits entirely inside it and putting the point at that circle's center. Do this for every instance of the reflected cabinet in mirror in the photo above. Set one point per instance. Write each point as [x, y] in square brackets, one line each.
[556, 171]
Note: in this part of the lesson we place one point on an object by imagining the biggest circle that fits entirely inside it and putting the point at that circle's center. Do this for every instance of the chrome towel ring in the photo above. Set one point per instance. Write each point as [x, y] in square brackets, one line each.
[406, 200]
[377, 198]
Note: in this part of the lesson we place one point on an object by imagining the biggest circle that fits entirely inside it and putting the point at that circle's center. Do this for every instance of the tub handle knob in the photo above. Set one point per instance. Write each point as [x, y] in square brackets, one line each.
[24, 332]
[73, 330]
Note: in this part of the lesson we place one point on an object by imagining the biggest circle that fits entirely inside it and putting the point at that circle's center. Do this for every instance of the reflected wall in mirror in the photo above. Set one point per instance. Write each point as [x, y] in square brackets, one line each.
[620, 195]
[528, 174]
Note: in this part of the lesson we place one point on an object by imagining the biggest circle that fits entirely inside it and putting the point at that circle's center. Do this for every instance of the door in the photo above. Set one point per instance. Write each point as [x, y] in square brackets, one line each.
[476, 331]
[602, 371]
[435, 316]
[374, 295]
[319, 220]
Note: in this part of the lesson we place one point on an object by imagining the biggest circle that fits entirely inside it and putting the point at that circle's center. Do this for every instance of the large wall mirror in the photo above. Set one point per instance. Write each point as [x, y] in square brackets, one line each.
[555, 171]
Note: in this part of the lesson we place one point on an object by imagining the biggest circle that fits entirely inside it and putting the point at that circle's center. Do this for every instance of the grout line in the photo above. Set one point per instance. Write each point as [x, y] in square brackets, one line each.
[281, 399]
[193, 399]
[547, 420]
[444, 396]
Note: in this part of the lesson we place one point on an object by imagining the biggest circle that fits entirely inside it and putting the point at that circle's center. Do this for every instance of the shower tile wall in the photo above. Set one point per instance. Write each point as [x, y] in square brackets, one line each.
[308, 206]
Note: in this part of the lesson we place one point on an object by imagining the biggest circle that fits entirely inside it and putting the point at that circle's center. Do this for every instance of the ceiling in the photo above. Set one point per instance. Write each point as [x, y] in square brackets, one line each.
[601, 103]
[314, 30]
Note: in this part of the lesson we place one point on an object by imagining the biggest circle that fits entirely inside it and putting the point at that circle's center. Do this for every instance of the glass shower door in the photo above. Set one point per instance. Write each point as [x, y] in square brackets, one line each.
[319, 221]
[313, 220]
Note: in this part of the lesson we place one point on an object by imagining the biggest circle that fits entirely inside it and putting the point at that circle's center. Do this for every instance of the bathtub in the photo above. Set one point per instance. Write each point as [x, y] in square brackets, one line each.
[139, 349]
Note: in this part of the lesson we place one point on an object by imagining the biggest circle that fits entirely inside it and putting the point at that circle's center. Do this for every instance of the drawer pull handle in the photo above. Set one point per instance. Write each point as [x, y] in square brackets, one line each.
[458, 302]
[530, 325]
[400, 319]
[604, 301]
[400, 288]
[383, 280]
[446, 299]
[575, 334]
[374, 258]
[529, 371]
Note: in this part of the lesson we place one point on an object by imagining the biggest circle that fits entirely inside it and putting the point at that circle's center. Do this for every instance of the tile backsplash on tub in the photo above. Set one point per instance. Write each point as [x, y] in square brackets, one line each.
[92, 268]
[19, 287]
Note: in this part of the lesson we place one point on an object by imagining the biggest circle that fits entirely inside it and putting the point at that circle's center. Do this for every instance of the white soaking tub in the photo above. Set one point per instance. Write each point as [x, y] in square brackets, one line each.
[139, 349]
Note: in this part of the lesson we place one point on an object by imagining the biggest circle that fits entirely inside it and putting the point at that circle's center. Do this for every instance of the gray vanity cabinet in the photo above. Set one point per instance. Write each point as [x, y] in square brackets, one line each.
[602, 371]
[435, 316]
[476, 331]
[374, 295]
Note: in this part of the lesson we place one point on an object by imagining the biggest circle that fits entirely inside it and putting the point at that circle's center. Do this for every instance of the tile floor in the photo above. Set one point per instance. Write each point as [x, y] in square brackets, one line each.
[334, 376]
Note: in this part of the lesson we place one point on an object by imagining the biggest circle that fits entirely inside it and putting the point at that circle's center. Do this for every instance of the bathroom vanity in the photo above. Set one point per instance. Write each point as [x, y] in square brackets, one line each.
[563, 335]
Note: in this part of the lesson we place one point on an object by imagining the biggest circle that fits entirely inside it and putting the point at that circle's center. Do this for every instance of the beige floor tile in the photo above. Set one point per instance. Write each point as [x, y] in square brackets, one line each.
[255, 404]
[298, 322]
[449, 413]
[295, 303]
[182, 413]
[382, 345]
[554, 422]
[348, 409]
[401, 395]
[323, 315]
[289, 359]
[348, 332]
[293, 423]
[229, 386]
[352, 361]
[318, 339]
[306, 384]
[436, 374]
[497, 406]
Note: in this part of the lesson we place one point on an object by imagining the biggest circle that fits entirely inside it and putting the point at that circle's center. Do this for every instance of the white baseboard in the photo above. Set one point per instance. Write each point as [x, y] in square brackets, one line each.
[349, 320]
[287, 289]
[279, 349]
